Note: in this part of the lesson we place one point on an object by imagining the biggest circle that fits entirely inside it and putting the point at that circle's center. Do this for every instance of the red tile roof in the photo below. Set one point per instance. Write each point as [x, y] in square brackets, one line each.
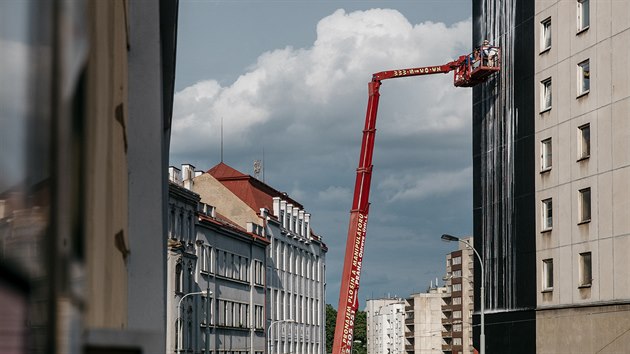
[255, 193]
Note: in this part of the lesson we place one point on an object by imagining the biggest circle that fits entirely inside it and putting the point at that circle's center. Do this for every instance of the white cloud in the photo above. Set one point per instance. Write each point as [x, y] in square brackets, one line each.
[412, 187]
[322, 86]
[335, 194]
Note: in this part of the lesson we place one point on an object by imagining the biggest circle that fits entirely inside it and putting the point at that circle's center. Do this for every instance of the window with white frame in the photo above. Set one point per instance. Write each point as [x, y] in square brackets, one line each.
[259, 272]
[547, 214]
[584, 141]
[547, 274]
[583, 15]
[457, 327]
[457, 287]
[545, 95]
[457, 273]
[457, 314]
[258, 317]
[205, 264]
[585, 270]
[457, 300]
[545, 155]
[583, 77]
[457, 260]
[585, 205]
[457, 341]
[545, 35]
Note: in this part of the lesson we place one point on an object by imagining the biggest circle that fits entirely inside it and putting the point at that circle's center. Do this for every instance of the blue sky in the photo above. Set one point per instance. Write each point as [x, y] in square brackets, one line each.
[290, 78]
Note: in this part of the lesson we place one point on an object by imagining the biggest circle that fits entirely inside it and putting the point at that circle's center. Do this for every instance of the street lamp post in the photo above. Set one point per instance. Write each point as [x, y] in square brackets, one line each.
[482, 337]
[179, 315]
[269, 332]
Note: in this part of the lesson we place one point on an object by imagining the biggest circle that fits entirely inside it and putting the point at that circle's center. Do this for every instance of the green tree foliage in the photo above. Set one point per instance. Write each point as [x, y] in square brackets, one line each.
[360, 333]
[360, 330]
[331, 317]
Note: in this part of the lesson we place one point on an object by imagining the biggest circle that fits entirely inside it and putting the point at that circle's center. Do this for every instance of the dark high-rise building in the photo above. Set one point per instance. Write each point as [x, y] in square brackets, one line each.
[504, 185]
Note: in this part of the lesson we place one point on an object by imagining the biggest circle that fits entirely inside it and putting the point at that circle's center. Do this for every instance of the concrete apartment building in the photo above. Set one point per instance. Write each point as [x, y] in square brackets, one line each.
[295, 258]
[85, 137]
[385, 326]
[550, 141]
[582, 91]
[216, 276]
[459, 305]
[424, 321]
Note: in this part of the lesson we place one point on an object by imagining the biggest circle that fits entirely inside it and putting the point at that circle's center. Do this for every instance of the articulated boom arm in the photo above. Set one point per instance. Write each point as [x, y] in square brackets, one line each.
[348, 294]
[426, 70]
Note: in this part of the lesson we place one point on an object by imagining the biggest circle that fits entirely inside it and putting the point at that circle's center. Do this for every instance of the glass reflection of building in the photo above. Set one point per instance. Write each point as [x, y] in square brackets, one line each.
[72, 74]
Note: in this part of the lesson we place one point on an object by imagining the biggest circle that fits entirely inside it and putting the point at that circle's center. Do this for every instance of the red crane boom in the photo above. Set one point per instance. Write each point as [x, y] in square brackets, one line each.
[469, 70]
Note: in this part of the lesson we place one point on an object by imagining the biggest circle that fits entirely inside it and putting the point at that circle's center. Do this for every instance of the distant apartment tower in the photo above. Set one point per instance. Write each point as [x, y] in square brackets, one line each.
[216, 292]
[459, 306]
[582, 146]
[424, 321]
[385, 326]
[295, 260]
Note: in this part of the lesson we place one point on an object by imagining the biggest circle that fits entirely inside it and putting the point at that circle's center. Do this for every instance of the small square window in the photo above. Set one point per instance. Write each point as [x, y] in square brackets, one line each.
[585, 270]
[583, 78]
[583, 15]
[545, 95]
[545, 155]
[545, 35]
[584, 141]
[585, 205]
[547, 275]
[547, 214]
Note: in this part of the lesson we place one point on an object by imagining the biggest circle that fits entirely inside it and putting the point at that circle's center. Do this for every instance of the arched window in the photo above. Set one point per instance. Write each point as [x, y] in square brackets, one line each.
[179, 286]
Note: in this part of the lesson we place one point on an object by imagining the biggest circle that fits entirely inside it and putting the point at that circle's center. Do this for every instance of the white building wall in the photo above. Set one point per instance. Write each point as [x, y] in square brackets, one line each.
[385, 326]
[427, 321]
[606, 170]
[590, 309]
[295, 282]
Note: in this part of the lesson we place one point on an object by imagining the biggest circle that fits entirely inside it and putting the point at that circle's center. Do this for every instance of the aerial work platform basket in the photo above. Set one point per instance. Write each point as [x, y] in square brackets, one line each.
[477, 66]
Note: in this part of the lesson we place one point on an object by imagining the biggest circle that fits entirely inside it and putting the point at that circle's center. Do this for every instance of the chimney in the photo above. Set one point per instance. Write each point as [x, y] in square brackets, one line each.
[301, 223]
[174, 175]
[307, 225]
[289, 214]
[198, 173]
[295, 225]
[276, 207]
[188, 172]
[283, 213]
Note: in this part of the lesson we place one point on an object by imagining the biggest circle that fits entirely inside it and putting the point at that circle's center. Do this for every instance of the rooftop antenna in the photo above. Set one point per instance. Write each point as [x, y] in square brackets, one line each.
[263, 164]
[221, 138]
[257, 169]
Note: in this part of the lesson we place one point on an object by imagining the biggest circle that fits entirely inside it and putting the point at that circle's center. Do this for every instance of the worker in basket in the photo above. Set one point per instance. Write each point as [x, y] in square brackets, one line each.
[489, 53]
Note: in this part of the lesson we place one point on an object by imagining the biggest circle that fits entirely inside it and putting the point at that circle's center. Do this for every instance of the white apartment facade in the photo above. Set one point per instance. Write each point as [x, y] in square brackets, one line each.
[385, 326]
[583, 180]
